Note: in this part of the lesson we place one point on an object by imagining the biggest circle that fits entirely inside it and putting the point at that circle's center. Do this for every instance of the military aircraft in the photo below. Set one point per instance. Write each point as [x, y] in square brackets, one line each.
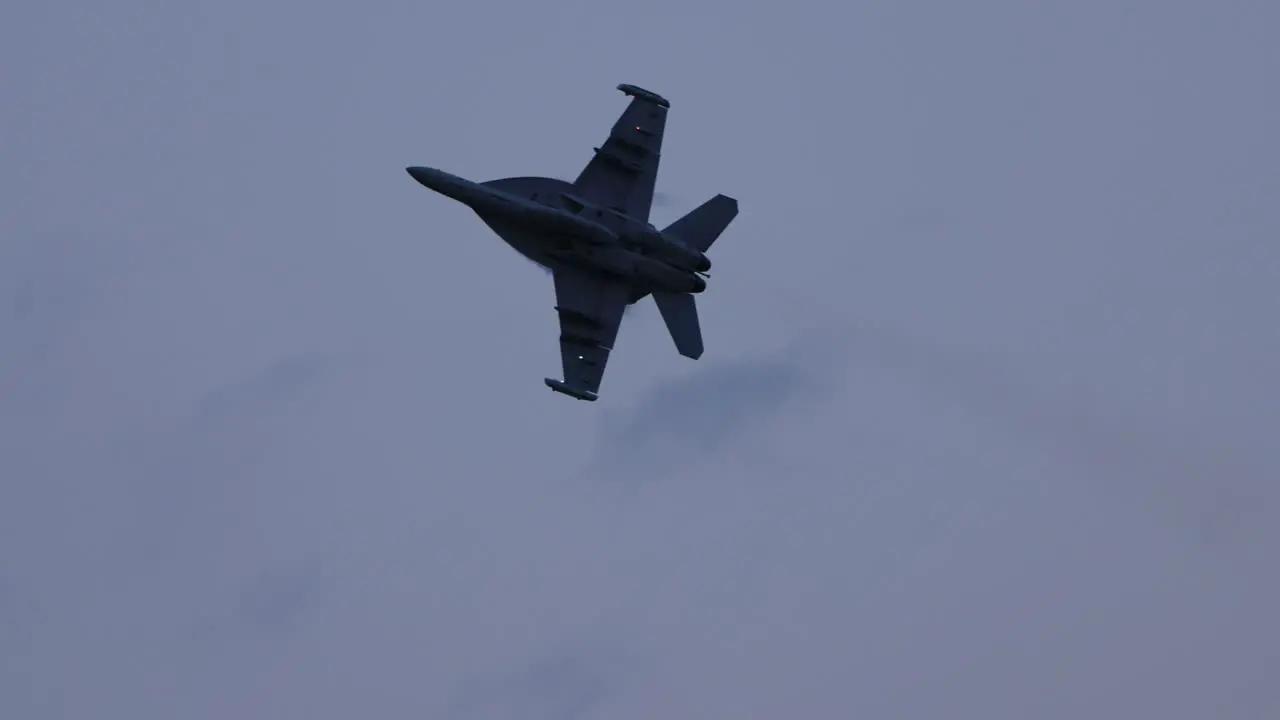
[595, 238]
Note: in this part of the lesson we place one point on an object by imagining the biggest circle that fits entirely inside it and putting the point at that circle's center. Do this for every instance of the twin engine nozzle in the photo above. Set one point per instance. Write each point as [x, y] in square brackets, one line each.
[671, 250]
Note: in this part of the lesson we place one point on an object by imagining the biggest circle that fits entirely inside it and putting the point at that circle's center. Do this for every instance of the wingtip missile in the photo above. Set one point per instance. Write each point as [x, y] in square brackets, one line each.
[561, 387]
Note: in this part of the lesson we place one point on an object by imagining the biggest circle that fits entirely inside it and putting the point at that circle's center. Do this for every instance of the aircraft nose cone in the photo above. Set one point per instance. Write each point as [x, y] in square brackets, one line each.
[421, 174]
[441, 182]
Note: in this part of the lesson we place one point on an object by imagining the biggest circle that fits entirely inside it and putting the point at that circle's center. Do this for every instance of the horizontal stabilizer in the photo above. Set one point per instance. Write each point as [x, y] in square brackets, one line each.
[680, 313]
[700, 228]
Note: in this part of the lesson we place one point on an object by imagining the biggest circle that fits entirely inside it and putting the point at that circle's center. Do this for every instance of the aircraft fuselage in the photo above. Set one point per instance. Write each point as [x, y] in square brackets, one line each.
[555, 228]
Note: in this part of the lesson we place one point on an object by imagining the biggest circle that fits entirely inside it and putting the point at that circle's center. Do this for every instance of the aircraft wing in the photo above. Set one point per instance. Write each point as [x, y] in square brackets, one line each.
[623, 172]
[590, 308]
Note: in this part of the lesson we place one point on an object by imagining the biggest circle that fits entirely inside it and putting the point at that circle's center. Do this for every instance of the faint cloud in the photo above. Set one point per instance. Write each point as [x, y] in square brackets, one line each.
[265, 389]
[568, 686]
[271, 604]
[922, 219]
[193, 476]
[48, 285]
[1213, 491]
[229, 428]
[277, 600]
[225, 653]
[690, 417]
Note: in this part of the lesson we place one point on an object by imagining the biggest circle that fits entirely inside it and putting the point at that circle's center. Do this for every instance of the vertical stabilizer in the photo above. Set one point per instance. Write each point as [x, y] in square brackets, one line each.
[680, 313]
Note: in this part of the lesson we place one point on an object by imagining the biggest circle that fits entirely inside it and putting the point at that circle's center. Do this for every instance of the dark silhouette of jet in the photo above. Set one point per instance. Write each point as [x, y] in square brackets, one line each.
[595, 237]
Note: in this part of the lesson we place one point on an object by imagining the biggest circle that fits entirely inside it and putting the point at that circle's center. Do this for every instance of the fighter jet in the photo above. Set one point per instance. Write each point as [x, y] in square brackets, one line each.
[595, 238]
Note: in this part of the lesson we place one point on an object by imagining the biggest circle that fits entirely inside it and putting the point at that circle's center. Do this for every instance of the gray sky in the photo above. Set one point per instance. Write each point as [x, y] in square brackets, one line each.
[986, 428]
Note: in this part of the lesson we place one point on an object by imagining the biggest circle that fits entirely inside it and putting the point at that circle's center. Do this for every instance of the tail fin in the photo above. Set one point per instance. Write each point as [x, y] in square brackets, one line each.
[698, 229]
[704, 223]
[680, 312]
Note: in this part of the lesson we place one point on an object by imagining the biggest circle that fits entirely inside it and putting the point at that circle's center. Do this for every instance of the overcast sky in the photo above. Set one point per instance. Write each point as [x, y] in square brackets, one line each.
[988, 424]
